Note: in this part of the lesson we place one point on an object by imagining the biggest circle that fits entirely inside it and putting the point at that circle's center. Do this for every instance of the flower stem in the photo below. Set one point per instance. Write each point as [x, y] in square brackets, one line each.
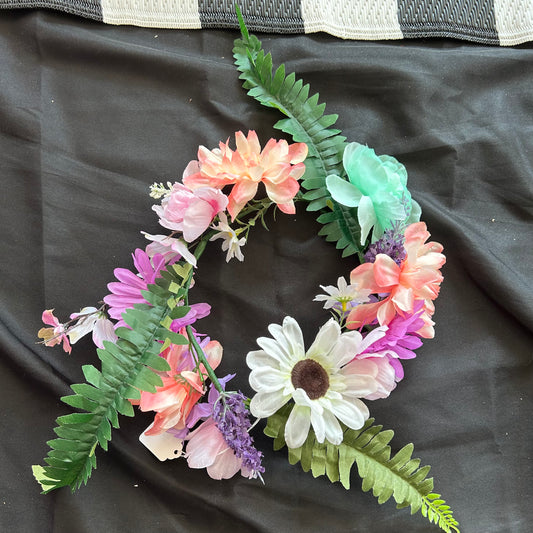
[194, 346]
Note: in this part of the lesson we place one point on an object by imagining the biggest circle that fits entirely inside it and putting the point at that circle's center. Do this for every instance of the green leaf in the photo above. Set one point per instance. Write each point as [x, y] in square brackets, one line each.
[127, 369]
[397, 476]
[306, 123]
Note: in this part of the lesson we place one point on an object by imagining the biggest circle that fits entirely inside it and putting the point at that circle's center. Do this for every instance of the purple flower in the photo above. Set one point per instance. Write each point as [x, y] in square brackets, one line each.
[391, 243]
[197, 311]
[231, 417]
[400, 339]
[126, 292]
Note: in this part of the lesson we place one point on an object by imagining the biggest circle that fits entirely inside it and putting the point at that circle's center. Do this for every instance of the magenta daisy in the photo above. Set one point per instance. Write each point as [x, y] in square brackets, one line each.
[126, 292]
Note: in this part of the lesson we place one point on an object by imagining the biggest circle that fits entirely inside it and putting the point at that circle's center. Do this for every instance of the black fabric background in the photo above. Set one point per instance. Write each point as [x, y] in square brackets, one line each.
[90, 115]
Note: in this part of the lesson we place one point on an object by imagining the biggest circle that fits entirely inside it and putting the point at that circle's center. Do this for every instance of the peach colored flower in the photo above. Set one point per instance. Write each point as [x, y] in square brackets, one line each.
[417, 278]
[279, 166]
[182, 387]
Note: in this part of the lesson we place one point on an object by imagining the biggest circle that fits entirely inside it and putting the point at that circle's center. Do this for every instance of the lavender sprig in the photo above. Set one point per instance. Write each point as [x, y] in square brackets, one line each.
[231, 416]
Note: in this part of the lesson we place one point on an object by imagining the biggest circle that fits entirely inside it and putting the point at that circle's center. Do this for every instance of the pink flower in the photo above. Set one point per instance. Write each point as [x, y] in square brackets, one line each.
[182, 387]
[127, 291]
[190, 212]
[279, 166]
[56, 334]
[208, 449]
[418, 277]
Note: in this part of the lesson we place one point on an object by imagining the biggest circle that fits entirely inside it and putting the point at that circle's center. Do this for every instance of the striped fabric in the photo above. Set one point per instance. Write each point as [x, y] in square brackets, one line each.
[499, 22]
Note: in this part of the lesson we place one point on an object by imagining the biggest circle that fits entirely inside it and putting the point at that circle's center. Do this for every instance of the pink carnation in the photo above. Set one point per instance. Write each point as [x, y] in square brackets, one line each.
[279, 166]
[190, 212]
[417, 278]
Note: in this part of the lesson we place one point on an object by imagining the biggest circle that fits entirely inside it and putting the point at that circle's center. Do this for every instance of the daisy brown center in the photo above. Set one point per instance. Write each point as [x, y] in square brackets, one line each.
[311, 377]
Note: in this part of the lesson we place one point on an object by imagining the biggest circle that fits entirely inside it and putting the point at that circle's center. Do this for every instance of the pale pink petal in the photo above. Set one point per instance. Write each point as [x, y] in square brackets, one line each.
[49, 318]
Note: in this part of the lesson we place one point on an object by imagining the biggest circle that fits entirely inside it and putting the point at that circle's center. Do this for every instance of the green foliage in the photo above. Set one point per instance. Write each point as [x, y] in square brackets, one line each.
[398, 476]
[306, 123]
[127, 369]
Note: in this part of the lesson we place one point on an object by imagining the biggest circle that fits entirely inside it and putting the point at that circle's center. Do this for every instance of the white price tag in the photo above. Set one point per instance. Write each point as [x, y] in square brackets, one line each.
[164, 446]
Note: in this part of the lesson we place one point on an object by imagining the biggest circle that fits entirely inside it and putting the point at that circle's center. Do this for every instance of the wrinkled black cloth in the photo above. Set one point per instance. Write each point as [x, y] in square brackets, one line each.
[93, 114]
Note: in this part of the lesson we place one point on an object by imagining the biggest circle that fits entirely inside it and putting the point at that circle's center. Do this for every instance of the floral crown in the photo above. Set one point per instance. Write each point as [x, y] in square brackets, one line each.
[315, 399]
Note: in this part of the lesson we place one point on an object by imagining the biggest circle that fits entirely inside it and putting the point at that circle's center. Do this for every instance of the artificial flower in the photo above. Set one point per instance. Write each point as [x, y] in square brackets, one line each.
[197, 311]
[418, 277]
[56, 334]
[232, 419]
[391, 243]
[190, 212]
[377, 187]
[230, 240]
[279, 166]
[207, 448]
[170, 248]
[91, 320]
[400, 339]
[347, 296]
[126, 292]
[323, 382]
[183, 386]
[385, 376]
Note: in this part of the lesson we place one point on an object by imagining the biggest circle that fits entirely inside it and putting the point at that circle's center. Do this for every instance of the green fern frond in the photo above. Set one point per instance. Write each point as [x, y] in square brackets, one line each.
[305, 122]
[127, 369]
[398, 476]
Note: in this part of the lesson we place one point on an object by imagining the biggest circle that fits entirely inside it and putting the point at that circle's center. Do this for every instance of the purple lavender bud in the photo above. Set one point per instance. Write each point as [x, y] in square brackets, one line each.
[231, 417]
[391, 244]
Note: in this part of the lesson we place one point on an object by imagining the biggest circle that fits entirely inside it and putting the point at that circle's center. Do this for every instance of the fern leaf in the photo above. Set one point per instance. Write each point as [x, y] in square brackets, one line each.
[127, 369]
[398, 476]
[306, 123]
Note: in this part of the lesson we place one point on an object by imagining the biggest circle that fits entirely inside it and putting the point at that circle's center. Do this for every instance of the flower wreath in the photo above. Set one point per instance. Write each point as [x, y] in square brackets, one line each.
[313, 399]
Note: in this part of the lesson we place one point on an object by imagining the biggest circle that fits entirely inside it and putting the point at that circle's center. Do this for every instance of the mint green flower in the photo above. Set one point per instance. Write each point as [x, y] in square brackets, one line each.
[377, 187]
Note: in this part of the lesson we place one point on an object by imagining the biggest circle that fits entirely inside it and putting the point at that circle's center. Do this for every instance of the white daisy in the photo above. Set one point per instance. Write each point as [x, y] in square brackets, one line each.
[325, 382]
[345, 295]
[231, 242]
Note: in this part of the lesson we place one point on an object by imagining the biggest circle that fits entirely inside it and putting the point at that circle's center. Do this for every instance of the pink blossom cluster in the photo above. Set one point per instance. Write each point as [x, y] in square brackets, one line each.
[393, 291]
[190, 207]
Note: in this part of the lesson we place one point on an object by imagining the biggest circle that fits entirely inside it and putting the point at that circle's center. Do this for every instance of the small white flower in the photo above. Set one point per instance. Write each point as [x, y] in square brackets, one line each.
[345, 295]
[169, 247]
[326, 383]
[92, 320]
[232, 244]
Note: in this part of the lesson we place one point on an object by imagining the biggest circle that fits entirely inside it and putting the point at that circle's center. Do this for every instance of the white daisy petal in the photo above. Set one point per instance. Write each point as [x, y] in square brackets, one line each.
[264, 404]
[297, 427]
[319, 425]
[328, 335]
[344, 350]
[353, 413]
[266, 379]
[333, 428]
[294, 335]
[274, 349]
[259, 358]
[300, 398]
